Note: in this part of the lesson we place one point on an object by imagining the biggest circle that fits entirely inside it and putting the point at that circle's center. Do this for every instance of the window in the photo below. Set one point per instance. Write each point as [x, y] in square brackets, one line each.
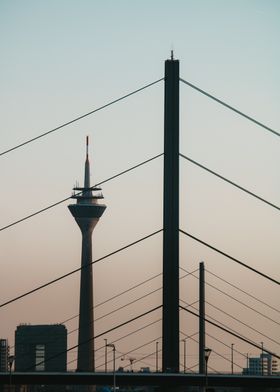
[39, 357]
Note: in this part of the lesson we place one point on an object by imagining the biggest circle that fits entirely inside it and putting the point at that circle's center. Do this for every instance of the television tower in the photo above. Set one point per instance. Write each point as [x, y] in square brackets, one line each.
[86, 212]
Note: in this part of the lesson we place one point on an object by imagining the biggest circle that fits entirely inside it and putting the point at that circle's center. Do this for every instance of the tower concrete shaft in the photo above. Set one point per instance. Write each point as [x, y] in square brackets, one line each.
[86, 212]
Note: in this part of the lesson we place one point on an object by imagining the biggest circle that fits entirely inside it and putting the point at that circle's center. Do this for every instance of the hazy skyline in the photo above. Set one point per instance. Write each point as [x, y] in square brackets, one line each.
[61, 59]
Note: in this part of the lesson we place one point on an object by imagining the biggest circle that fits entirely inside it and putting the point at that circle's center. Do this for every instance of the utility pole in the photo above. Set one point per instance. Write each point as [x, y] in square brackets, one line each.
[202, 357]
[201, 318]
[185, 355]
[170, 358]
[157, 357]
[232, 344]
[106, 352]
[262, 359]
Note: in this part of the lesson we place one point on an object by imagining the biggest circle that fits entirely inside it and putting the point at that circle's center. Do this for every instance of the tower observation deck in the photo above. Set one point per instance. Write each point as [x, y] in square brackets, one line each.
[86, 212]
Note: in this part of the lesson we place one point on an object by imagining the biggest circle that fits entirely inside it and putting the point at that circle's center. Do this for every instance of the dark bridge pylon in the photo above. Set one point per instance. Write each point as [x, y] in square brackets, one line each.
[170, 324]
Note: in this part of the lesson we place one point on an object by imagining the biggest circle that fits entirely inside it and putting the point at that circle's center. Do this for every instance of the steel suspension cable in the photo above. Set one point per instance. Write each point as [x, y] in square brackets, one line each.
[128, 304]
[188, 337]
[230, 182]
[141, 328]
[234, 318]
[80, 117]
[220, 355]
[229, 329]
[97, 336]
[78, 269]
[148, 355]
[141, 359]
[123, 337]
[226, 345]
[230, 257]
[134, 349]
[129, 334]
[124, 292]
[128, 290]
[243, 291]
[238, 301]
[133, 332]
[214, 319]
[241, 322]
[101, 303]
[119, 308]
[78, 193]
[191, 337]
[114, 297]
[230, 107]
[232, 333]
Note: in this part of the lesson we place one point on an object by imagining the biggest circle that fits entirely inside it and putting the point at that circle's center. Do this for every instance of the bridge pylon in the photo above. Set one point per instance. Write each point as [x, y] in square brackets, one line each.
[170, 325]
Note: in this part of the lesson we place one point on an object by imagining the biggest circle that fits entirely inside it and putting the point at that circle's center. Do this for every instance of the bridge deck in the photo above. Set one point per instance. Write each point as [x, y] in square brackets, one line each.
[127, 378]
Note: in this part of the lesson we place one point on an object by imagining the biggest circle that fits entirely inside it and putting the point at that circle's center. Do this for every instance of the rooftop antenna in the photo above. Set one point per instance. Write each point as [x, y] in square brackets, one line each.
[87, 146]
[172, 52]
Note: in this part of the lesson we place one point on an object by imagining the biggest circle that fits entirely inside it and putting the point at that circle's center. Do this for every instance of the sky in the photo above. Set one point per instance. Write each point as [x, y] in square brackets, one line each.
[62, 59]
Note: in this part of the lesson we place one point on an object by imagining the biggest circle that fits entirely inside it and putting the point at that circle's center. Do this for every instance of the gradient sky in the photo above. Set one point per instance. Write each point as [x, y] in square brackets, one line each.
[61, 59]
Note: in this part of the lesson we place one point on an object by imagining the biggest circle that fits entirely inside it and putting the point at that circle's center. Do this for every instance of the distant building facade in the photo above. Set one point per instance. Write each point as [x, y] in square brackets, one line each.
[265, 365]
[41, 348]
[4, 353]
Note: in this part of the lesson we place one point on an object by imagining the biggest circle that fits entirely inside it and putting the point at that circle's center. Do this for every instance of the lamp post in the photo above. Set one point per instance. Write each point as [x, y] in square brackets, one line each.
[106, 340]
[156, 356]
[114, 366]
[184, 341]
[262, 358]
[207, 352]
[11, 359]
[232, 344]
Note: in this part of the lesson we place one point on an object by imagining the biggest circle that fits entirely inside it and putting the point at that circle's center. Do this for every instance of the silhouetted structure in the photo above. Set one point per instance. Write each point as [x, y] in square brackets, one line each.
[86, 212]
[202, 361]
[41, 348]
[4, 352]
[170, 324]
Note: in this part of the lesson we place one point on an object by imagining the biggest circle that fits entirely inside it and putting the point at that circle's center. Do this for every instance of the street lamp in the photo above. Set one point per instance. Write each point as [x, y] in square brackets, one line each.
[207, 352]
[156, 356]
[262, 358]
[114, 361]
[184, 341]
[232, 344]
[11, 359]
[106, 340]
